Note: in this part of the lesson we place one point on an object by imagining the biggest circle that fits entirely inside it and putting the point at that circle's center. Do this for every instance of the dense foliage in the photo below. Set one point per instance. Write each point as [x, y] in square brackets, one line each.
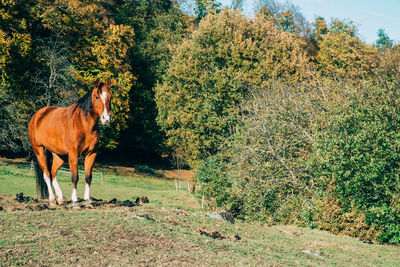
[53, 51]
[283, 120]
[211, 73]
[360, 162]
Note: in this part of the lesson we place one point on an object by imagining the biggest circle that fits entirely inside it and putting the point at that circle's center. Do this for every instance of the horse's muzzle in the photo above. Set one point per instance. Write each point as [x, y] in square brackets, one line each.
[105, 119]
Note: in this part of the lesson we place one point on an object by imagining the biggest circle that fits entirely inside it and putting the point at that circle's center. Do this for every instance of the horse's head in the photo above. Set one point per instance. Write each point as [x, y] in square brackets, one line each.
[101, 101]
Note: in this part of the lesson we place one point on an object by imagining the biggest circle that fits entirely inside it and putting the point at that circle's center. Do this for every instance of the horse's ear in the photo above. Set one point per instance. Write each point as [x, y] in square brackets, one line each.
[108, 83]
[97, 83]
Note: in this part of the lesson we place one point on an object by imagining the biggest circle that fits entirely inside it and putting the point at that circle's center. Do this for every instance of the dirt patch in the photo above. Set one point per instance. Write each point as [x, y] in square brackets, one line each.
[21, 202]
[178, 174]
[217, 235]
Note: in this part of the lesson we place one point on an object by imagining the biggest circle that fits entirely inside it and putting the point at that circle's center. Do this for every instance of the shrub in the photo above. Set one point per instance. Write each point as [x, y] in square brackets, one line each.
[214, 184]
[264, 159]
[387, 218]
[360, 158]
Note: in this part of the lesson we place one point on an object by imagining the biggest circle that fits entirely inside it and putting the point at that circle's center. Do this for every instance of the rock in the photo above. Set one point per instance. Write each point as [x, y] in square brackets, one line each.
[143, 217]
[1, 208]
[138, 217]
[142, 200]
[223, 215]
[313, 253]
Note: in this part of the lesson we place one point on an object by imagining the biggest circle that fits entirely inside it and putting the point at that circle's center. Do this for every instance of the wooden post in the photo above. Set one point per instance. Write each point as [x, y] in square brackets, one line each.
[188, 186]
[176, 185]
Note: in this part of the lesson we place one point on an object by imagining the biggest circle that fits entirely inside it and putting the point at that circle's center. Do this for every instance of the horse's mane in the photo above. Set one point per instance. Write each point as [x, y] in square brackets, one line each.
[85, 102]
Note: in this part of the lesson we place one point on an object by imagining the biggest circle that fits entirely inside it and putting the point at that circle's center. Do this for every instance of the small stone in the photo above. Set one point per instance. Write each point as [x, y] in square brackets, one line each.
[313, 253]
[142, 200]
[223, 215]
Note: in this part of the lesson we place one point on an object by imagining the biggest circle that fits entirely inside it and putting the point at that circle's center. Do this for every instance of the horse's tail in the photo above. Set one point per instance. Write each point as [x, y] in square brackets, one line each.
[41, 187]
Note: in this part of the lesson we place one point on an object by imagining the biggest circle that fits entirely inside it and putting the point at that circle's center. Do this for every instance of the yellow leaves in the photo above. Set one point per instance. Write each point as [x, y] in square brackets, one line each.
[8, 2]
[111, 51]
[345, 55]
[17, 44]
[100, 50]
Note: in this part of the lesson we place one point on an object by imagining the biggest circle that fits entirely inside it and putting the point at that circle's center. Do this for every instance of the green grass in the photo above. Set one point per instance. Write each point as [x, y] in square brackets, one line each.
[18, 177]
[121, 236]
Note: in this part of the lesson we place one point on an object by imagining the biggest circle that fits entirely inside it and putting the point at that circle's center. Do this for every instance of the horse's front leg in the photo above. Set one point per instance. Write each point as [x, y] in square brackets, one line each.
[57, 163]
[73, 166]
[89, 162]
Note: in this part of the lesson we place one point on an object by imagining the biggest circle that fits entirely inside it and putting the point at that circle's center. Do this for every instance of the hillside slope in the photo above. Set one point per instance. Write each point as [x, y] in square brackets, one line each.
[170, 230]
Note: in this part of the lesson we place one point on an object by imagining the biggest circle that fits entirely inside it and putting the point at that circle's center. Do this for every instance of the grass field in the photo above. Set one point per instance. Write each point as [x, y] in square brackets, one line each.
[167, 231]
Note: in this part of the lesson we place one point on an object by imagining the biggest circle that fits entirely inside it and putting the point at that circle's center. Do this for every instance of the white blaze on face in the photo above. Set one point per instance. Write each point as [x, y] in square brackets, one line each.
[105, 117]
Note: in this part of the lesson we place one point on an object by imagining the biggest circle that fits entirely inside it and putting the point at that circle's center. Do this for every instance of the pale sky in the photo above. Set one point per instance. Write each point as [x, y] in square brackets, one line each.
[368, 15]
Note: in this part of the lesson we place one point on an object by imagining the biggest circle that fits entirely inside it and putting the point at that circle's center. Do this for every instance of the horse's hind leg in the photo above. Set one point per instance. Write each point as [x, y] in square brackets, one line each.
[89, 161]
[42, 160]
[57, 163]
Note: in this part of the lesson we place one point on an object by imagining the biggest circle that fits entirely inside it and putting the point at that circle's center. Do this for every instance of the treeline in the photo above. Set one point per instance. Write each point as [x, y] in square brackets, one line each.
[51, 53]
[285, 120]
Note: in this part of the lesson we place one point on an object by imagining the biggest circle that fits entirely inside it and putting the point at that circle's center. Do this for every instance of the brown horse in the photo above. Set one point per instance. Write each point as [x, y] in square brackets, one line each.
[68, 133]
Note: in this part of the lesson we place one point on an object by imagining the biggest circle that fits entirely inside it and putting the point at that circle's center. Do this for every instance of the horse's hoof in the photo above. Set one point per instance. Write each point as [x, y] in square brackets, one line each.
[60, 201]
[75, 205]
[88, 204]
[52, 204]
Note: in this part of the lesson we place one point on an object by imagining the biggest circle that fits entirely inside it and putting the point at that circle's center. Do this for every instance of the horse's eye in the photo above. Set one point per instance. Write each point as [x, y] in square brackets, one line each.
[97, 97]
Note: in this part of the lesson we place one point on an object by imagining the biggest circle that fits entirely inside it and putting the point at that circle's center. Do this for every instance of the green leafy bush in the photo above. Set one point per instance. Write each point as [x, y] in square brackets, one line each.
[388, 220]
[215, 185]
[360, 157]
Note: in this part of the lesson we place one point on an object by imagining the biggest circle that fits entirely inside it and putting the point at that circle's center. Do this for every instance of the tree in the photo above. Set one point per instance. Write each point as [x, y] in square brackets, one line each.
[341, 52]
[99, 49]
[211, 72]
[16, 63]
[53, 80]
[286, 16]
[237, 4]
[159, 26]
[320, 28]
[383, 40]
[204, 7]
